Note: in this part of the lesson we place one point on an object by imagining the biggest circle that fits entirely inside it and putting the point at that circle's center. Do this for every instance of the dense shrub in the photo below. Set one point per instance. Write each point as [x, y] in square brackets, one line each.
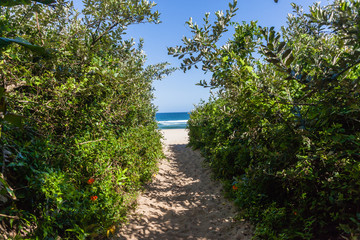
[82, 94]
[284, 130]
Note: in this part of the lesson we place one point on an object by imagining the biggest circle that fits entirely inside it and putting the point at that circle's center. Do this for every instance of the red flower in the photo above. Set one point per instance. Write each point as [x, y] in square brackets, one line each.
[235, 187]
[295, 213]
[93, 198]
[91, 181]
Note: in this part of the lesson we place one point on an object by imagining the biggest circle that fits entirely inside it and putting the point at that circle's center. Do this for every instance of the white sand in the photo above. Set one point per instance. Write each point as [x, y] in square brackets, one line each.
[175, 136]
[183, 202]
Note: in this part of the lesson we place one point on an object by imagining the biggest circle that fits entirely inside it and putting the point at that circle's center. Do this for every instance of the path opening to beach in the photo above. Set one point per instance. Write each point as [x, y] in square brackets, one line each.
[183, 202]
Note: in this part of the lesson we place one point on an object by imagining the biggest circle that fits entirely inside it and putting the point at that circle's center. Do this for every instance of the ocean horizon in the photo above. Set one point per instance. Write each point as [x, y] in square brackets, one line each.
[172, 120]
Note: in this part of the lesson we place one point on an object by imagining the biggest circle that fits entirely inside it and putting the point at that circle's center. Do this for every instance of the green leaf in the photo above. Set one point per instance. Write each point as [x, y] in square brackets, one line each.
[270, 46]
[289, 60]
[47, 2]
[2, 105]
[281, 47]
[7, 41]
[7, 187]
[271, 36]
[270, 54]
[10, 3]
[273, 60]
[286, 54]
[14, 119]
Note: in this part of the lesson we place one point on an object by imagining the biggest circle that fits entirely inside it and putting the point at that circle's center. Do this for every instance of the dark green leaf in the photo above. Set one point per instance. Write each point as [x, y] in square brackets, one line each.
[271, 36]
[6, 41]
[7, 187]
[286, 54]
[273, 60]
[281, 47]
[270, 54]
[10, 3]
[270, 46]
[289, 60]
[14, 119]
[2, 105]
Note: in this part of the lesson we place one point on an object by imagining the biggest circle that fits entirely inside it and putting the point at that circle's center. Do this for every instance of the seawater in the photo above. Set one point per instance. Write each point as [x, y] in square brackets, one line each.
[172, 120]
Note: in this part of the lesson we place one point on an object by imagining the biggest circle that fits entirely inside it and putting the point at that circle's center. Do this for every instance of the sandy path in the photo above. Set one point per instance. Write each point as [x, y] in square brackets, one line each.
[183, 202]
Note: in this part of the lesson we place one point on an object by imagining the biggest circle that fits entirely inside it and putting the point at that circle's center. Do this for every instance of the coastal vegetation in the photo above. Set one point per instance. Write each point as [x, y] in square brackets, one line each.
[78, 130]
[283, 129]
[78, 134]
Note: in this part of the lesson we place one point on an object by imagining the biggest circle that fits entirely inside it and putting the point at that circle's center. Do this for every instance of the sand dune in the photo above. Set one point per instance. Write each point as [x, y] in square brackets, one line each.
[183, 202]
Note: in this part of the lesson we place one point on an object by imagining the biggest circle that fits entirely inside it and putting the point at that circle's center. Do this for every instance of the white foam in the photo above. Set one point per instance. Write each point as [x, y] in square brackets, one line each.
[176, 122]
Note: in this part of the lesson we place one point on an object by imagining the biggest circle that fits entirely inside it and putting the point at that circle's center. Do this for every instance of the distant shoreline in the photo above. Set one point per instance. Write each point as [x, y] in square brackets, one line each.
[172, 120]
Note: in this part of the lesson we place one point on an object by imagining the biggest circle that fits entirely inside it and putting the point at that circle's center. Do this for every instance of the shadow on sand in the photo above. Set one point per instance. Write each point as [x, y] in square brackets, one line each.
[183, 203]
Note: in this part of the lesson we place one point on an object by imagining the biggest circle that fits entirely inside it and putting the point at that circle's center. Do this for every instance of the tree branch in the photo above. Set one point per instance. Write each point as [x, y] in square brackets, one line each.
[105, 32]
[7, 216]
[38, 26]
[93, 141]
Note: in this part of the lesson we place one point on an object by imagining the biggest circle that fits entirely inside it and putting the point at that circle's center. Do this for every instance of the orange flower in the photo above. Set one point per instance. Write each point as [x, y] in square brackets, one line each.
[235, 187]
[295, 213]
[93, 198]
[91, 181]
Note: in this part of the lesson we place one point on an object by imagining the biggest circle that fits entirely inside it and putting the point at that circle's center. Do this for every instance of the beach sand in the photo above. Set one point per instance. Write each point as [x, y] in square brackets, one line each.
[182, 202]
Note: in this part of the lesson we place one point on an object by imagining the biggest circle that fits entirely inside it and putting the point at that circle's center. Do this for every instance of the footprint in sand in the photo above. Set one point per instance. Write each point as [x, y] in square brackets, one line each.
[183, 202]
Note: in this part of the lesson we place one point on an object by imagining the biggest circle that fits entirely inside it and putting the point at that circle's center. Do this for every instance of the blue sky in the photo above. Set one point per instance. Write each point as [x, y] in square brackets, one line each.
[178, 92]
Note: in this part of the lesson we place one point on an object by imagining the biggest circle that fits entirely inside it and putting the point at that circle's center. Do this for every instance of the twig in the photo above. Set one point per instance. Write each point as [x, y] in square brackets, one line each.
[28, 10]
[7, 216]
[3, 155]
[296, 104]
[93, 141]
[38, 26]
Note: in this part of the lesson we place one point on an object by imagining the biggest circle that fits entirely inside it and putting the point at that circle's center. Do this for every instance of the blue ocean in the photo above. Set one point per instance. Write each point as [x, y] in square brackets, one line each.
[172, 120]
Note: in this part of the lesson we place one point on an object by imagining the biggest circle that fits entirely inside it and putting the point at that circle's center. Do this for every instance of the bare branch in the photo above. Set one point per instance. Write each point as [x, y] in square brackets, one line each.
[92, 141]
[7, 216]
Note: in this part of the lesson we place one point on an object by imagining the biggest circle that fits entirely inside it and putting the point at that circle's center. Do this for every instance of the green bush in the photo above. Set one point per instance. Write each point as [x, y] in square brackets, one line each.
[84, 139]
[283, 132]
